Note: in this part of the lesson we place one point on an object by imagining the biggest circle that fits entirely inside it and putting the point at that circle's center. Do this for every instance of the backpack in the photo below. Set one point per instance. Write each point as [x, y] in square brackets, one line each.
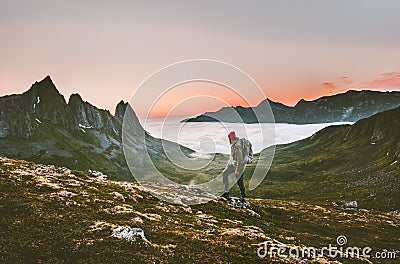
[247, 151]
[243, 151]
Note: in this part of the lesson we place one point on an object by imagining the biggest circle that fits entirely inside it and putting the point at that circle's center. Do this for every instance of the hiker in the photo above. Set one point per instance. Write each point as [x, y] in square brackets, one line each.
[241, 154]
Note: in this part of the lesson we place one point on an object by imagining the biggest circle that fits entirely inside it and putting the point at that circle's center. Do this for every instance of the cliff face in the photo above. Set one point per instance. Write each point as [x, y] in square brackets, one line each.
[88, 116]
[120, 111]
[39, 125]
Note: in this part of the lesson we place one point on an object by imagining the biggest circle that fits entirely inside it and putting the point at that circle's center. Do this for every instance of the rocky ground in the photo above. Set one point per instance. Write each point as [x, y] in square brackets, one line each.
[52, 214]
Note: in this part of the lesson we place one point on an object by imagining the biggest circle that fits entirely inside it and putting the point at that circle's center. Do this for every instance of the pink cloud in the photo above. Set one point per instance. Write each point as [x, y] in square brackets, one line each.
[345, 80]
[390, 80]
[328, 85]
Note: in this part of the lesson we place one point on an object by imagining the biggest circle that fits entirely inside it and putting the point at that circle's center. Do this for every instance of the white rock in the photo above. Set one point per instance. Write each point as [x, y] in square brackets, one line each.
[64, 171]
[65, 194]
[350, 204]
[128, 233]
[99, 175]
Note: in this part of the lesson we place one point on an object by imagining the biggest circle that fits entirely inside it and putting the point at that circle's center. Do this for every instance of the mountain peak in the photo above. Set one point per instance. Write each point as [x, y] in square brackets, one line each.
[75, 98]
[121, 103]
[300, 102]
[41, 102]
[120, 110]
[47, 78]
[45, 89]
[46, 82]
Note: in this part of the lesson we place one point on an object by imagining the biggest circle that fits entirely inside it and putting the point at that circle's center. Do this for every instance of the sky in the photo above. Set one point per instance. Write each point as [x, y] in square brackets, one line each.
[294, 50]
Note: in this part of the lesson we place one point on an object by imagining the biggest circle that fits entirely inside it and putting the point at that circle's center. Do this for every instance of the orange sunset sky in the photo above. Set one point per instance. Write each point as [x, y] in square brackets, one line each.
[104, 50]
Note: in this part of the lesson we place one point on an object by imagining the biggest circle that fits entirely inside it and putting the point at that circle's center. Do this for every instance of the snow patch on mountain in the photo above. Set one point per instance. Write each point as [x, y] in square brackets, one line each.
[347, 112]
[83, 126]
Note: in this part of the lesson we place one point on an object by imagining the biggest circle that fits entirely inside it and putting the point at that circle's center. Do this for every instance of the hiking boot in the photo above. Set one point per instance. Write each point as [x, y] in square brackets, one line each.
[225, 195]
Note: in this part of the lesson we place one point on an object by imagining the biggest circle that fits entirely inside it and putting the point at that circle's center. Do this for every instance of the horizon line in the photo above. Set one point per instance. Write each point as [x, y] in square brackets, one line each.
[48, 76]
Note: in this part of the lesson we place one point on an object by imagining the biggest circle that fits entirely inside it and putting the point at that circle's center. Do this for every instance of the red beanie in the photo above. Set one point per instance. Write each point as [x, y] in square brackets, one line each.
[232, 135]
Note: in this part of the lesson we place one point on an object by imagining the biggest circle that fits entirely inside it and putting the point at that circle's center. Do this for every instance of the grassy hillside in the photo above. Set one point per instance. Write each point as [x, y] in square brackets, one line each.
[51, 215]
[358, 162]
[52, 144]
[98, 150]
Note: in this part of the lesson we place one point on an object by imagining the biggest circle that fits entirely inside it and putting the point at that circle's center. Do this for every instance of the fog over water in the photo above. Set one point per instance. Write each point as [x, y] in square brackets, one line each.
[211, 137]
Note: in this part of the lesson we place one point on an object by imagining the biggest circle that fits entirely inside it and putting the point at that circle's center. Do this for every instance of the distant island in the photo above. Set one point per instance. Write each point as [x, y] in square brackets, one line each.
[345, 107]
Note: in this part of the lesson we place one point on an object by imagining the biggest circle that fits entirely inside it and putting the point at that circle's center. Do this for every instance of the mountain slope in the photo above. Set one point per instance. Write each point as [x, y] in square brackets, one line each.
[39, 125]
[51, 214]
[347, 107]
[358, 162]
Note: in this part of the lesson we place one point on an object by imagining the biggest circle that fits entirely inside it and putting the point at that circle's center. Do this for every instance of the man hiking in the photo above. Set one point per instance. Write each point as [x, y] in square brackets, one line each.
[241, 154]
